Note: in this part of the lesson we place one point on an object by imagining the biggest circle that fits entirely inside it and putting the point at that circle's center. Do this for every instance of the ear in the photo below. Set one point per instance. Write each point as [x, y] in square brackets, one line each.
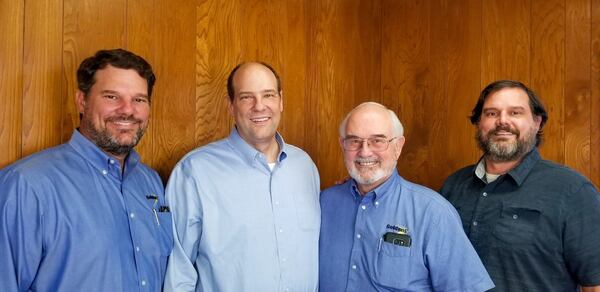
[80, 101]
[281, 101]
[341, 141]
[538, 121]
[230, 105]
[398, 146]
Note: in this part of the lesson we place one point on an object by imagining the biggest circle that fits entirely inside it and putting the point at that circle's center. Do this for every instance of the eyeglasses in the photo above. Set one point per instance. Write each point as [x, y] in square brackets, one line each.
[375, 144]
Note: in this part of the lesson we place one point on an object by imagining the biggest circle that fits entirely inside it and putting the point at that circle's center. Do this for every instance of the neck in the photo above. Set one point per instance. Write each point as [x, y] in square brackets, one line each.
[270, 150]
[500, 167]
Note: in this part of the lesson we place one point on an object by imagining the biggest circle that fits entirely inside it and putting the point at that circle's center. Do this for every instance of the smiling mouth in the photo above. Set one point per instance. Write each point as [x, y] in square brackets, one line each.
[260, 120]
[366, 163]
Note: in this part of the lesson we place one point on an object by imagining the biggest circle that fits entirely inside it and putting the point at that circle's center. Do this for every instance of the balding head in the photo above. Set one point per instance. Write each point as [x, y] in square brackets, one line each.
[242, 68]
[369, 106]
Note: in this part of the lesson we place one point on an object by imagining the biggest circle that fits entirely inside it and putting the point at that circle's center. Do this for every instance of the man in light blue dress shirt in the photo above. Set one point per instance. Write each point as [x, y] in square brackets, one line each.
[88, 215]
[246, 209]
[380, 232]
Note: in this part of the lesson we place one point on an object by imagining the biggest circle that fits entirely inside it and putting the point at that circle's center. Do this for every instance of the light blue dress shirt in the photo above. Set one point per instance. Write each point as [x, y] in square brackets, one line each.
[354, 256]
[71, 222]
[240, 226]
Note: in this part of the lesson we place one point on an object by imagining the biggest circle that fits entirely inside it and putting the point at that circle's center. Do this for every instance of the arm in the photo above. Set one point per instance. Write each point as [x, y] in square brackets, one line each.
[183, 198]
[452, 261]
[20, 233]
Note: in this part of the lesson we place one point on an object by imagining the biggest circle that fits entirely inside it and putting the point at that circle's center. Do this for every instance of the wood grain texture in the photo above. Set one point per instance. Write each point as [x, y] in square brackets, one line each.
[11, 80]
[42, 71]
[407, 77]
[463, 85]
[427, 60]
[577, 86]
[547, 71]
[218, 47]
[595, 97]
[506, 40]
[343, 72]
[175, 95]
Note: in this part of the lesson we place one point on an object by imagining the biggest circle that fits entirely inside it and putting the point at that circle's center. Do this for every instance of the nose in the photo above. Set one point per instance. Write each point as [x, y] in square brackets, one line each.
[259, 104]
[364, 150]
[125, 107]
[502, 118]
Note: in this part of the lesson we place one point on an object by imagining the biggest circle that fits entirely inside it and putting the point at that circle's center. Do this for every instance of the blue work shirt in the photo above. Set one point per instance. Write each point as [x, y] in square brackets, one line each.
[353, 255]
[240, 226]
[71, 222]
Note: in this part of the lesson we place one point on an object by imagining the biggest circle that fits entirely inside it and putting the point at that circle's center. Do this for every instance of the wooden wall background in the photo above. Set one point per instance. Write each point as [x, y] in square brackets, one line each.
[426, 59]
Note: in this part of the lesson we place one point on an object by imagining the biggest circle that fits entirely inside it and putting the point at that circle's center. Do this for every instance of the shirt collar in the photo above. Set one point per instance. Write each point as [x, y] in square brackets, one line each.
[518, 173]
[250, 153]
[98, 158]
[379, 191]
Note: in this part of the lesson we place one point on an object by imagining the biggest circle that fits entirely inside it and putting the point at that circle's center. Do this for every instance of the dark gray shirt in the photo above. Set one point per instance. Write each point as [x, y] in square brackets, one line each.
[536, 228]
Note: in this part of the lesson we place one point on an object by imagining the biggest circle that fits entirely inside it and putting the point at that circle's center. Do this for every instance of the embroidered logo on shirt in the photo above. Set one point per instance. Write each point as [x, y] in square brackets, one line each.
[398, 228]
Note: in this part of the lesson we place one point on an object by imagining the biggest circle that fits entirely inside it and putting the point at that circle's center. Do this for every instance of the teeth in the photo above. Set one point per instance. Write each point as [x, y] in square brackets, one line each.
[259, 119]
[366, 163]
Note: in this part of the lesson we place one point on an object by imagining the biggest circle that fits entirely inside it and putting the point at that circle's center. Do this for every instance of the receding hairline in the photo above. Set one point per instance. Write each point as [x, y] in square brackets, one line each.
[395, 124]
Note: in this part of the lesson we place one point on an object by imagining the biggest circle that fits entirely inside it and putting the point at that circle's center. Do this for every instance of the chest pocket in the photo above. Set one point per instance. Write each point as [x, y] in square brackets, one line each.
[517, 225]
[392, 265]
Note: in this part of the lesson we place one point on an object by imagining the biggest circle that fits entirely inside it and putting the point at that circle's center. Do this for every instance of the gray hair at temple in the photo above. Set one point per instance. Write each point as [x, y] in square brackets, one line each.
[397, 128]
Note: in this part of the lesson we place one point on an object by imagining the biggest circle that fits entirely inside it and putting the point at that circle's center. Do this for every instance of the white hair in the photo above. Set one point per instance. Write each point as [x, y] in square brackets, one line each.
[397, 128]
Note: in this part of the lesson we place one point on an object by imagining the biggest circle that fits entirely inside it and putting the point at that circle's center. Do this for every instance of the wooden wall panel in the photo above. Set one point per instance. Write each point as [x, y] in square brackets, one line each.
[506, 40]
[427, 60]
[407, 81]
[547, 71]
[577, 86]
[218, 47]
[42, 75]
[343, 53]
[11, 79]
[176, 64]
[463, 44]
[595, 107]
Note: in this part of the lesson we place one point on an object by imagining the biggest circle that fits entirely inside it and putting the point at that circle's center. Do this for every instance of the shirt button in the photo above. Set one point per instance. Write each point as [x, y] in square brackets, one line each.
[132, 215]
[104, 172]
[283, 259]
[137, 248]
[112, 161]
[354, 267]
[475, 223]
[515, 216]
[276, 202]
[358, 236]
[280, 230]
[377, 203]
[143, 283]
[363, 207]
[484, 194]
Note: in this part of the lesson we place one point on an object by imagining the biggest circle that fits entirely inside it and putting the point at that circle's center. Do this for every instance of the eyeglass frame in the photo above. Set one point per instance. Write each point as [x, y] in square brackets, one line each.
[363, 140]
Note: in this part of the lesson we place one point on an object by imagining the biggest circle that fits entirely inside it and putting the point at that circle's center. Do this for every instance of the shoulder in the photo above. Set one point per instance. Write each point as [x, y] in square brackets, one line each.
[41, 164]
[206, 154]
[295, 153]
[336, 192]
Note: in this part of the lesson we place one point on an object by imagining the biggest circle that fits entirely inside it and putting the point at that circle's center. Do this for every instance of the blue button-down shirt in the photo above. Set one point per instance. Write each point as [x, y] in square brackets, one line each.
[70, 221]
[240, 226]
[355, 257]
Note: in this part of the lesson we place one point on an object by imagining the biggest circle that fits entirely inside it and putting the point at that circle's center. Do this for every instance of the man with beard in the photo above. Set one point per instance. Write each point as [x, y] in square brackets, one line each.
[380, 232]
[87, 215]
[246, 208]
[534, 223]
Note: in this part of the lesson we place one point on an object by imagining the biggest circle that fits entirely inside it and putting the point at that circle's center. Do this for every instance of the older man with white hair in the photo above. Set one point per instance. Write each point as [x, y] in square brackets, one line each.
[380, 232]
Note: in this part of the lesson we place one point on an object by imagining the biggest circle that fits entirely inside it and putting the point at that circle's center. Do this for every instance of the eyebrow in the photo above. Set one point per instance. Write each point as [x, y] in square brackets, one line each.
[372, 136]
[263, 91]
[118, 93]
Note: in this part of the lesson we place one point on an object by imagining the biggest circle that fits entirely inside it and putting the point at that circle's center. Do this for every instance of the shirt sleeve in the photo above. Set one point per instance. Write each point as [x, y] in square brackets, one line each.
[452, 261]
[182, 195]
[21, 233]
[582, 236]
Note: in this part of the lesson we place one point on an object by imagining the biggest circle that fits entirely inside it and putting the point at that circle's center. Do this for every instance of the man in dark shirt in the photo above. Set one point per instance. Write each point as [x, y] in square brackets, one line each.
[534, 223]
